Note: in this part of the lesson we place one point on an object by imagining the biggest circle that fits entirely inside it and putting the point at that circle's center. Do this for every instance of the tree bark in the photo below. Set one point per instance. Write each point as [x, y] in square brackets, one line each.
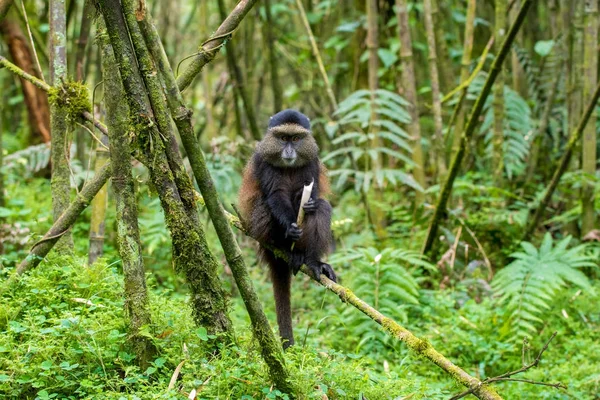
[590, 72]
[128, 234]
[61, 145]
[409, 90]
[440, 209]
[36, 100]
[99, 203]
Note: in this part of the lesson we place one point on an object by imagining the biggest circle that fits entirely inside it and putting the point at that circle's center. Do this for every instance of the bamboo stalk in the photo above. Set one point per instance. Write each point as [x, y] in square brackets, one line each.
[471, 124]
[498, 106]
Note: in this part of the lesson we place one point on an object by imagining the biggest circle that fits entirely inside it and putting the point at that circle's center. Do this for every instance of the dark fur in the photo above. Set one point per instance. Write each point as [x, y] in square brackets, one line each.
[270, 201]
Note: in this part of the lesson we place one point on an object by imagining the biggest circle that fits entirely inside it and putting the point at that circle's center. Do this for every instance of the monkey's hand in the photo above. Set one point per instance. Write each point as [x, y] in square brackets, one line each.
[319, 268]
[310, 206]
[293, 232]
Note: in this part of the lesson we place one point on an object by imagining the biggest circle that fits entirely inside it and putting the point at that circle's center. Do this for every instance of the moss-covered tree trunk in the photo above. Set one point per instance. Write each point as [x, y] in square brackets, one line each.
[156, 147]
[590, 73]
[61, 145]
[498, 137]
[128, 235]
[270, 348]
[409, 91]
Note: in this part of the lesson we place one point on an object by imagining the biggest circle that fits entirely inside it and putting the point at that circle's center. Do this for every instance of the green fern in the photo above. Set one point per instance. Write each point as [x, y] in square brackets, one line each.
[28, 161]
[528, 284]
[384, 280]
[356, 131]
[518, 128]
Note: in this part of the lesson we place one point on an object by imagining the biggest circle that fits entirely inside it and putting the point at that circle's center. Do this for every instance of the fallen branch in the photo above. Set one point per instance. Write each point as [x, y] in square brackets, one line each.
[506, 377]
[421, 347]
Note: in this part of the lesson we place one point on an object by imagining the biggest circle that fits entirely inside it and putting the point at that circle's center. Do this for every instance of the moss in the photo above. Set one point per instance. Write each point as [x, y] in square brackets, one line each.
[72, 96]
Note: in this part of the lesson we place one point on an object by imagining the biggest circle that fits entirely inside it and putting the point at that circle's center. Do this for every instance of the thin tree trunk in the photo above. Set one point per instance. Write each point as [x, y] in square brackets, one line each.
[465, 64]
[84, 33]
[158, 149]
[61, 145]
[590, 72]
[409, 90]
[519, 82]
[445, 65]
[498, 137]
[273, 64]
[100, 202]
[36, 100]
[271, 350]
[240, 84]
[572, 21]
[438, 135]
[128, 235]
[440, 209]
[562, 165]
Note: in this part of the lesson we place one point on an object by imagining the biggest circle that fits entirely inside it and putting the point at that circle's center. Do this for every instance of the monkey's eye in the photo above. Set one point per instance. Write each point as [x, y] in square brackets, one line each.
[296, 138]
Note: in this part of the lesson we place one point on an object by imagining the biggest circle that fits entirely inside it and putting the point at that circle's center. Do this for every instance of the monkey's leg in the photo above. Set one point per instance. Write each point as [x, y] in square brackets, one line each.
[281, 277]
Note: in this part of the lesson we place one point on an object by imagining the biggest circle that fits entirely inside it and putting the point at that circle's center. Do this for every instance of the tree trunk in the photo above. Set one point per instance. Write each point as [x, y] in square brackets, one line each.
[61, 144]
[271, 351]
[273, 64]
[36, 100]
[100, 202]
[409, 90]
[465, 63]
[239, 82]
[590, 72]
[157, 148]
[438, 135]
[498, 137]
[128, 235]
[445, 64]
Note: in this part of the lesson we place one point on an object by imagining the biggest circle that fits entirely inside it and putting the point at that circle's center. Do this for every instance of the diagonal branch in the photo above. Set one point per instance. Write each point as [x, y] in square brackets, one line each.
[208, 50]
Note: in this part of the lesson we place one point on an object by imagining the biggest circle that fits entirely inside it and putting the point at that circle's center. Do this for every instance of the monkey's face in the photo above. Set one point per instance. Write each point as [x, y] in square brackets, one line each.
[288, 146]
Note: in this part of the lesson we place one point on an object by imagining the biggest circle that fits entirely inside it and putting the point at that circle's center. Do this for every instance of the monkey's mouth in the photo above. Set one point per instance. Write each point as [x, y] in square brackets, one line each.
[289, 161]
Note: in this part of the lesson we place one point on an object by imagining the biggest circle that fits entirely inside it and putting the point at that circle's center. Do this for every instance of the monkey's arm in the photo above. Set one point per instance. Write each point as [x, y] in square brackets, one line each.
[283, 212]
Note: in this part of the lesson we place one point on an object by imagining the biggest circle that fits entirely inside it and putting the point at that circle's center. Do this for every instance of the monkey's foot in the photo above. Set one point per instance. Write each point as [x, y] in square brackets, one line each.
[322, 268]
[295, 261]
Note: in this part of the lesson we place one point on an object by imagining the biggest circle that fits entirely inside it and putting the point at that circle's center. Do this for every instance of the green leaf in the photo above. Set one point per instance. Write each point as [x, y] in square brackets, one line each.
[544, 47]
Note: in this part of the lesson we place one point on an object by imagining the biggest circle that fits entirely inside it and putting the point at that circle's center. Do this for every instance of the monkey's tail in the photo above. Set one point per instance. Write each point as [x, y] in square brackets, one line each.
[281, 276]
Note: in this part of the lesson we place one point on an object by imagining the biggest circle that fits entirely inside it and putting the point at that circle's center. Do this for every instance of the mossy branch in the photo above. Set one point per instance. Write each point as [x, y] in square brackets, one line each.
[562, 166]
[82, 107]
[209, 48]
[440, 208]
[419, 346]
[65, 221]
